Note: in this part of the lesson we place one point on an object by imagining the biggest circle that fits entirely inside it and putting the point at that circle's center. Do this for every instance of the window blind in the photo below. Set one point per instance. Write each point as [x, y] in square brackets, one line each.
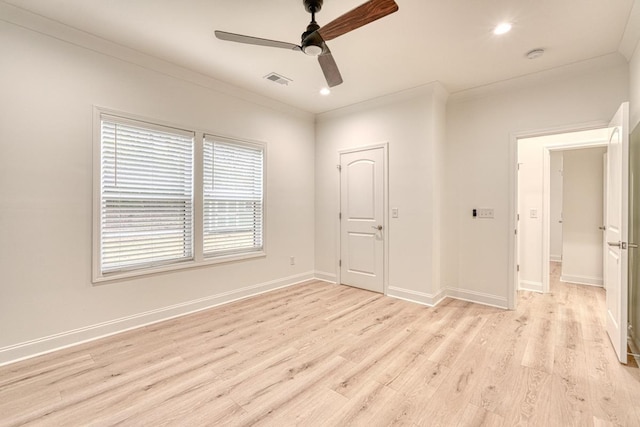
[233, 197]
[146, 187]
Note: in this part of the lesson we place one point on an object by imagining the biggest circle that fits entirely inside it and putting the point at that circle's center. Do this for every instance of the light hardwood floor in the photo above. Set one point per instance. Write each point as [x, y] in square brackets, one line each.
[321, 354]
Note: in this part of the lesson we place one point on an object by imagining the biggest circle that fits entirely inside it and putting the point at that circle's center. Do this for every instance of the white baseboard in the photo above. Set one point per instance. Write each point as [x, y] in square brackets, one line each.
[582, 280]
[430, 300]
[555, 258]
[28, 349]
[325, 277]
[528, 285]
[478, 297]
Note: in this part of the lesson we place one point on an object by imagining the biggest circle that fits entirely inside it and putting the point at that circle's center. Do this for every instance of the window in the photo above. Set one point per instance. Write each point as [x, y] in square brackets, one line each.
[233, 197]
[168, 198]
[146, 195]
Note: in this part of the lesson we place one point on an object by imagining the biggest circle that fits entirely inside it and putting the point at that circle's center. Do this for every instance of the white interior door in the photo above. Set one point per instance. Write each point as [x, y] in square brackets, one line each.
[362, 228]
[617, 230]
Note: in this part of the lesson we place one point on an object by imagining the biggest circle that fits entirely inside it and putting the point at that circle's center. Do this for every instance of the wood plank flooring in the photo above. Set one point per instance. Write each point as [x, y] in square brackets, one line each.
[324, 355]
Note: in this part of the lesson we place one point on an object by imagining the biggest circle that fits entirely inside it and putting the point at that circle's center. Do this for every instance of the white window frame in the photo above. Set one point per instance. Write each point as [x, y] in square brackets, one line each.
[199, 259]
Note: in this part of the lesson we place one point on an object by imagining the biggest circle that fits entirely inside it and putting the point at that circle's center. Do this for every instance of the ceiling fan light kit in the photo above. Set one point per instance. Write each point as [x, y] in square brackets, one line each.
[312, 50]
[313, 40]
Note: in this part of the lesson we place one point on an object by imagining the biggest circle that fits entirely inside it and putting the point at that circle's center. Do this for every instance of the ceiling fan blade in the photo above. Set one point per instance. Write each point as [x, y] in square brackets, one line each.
[361, 15]
[329, 68]
[239, 38]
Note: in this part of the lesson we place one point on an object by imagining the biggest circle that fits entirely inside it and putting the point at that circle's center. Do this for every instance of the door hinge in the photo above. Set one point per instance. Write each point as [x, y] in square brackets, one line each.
[518, 217]
[340, 263]
[339, 168]
[339, 215]
[518, 267]
[515, 231]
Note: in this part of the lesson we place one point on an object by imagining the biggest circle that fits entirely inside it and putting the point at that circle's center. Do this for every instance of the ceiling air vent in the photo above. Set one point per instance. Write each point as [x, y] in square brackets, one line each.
[277, 78]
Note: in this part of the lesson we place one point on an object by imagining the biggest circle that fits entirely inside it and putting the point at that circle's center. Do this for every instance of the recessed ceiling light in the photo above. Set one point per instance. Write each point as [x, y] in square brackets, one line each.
[502, 28]
[325, 91]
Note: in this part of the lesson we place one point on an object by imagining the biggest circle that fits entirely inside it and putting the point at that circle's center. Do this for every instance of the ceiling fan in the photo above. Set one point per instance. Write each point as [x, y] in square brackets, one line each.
[314, 38]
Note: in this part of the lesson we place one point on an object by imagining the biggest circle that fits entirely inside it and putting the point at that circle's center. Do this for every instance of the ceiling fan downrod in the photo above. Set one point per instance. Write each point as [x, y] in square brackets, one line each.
[312, 44]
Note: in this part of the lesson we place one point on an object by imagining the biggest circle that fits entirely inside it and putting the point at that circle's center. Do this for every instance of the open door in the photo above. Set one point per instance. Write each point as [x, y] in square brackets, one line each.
[617, 231]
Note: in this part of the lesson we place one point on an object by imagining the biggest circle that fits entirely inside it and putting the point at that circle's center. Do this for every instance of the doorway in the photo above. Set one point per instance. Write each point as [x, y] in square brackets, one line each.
[544, 235]
[620, 174]
[576, 221]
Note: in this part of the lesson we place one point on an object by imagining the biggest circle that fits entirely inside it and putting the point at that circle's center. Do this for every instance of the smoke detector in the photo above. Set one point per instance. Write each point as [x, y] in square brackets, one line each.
[277, 78]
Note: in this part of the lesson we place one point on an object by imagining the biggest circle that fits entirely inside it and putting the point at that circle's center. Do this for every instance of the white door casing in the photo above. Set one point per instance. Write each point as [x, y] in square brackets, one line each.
[617, 231]
[362, 228]
[605, 247]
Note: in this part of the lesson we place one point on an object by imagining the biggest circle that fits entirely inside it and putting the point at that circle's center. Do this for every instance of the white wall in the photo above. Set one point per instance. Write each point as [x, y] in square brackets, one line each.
[555, 215]
[634, 85]
[530, 198]
[481, 128]
[583, 205]
[49, 88]
[412, 123]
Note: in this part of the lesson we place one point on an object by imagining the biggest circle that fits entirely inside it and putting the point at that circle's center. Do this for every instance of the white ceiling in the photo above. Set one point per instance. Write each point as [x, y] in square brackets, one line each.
[450, 41]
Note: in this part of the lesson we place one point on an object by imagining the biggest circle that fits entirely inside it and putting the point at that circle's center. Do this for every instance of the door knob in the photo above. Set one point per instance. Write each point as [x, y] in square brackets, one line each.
[622, 245]
[377, 227]
[602, 227]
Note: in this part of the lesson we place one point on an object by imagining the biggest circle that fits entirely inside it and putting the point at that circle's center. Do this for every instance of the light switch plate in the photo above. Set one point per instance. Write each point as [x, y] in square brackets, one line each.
[533, 213]
[394, 212]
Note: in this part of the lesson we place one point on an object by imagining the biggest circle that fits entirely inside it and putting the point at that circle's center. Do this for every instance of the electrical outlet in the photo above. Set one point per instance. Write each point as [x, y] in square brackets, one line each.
[292, 260]
[485, 213]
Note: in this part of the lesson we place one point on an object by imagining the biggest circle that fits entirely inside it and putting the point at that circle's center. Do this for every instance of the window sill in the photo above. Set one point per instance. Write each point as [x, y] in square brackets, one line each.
[134, 274]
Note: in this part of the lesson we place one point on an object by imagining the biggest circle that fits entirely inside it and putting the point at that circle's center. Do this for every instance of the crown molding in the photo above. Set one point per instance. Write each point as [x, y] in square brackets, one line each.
[22, 18]
[559, 73]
